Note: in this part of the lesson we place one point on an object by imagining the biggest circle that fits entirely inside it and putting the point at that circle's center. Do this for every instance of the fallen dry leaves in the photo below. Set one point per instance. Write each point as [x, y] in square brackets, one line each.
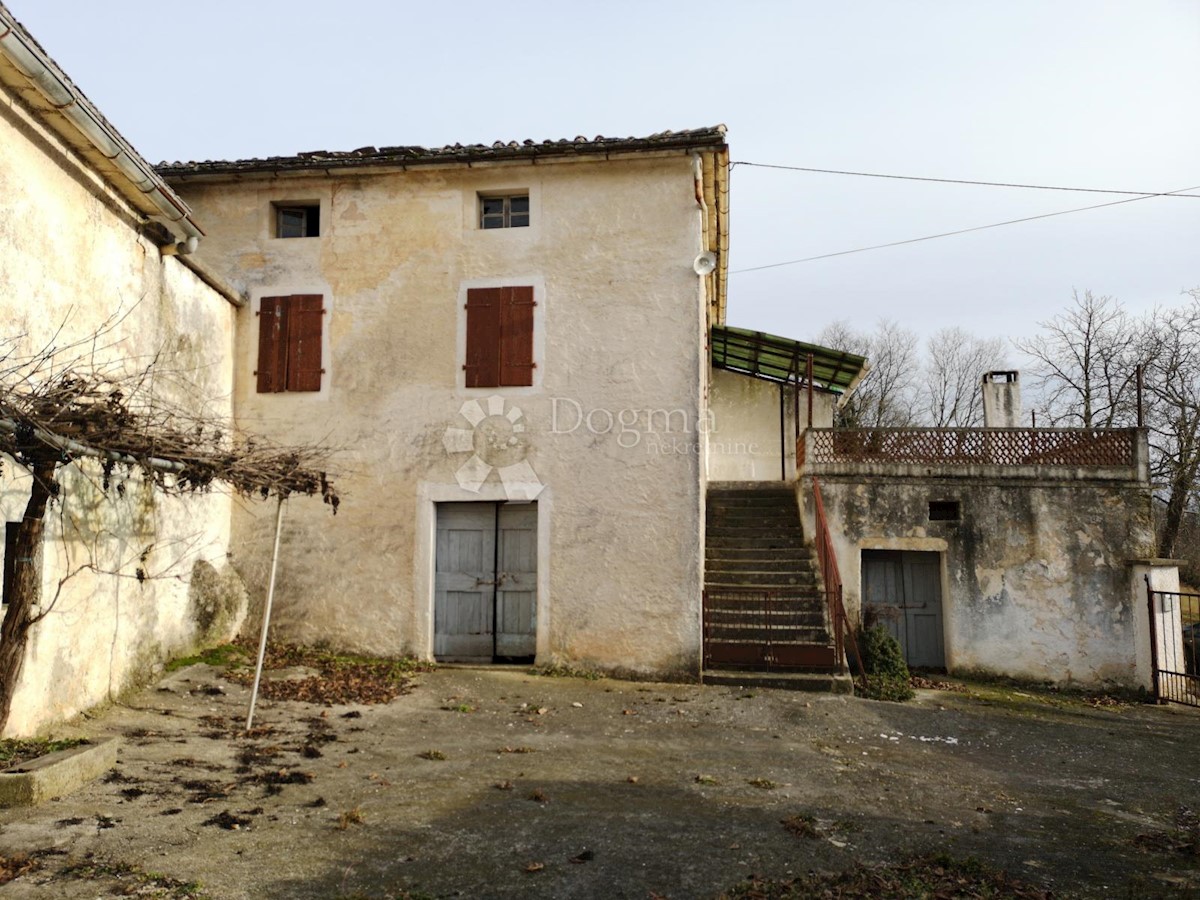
[16, 865]
[338, 679]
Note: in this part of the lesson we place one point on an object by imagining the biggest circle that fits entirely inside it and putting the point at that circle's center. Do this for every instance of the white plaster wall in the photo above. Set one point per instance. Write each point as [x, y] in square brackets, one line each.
[619, 334]
[71, 261]
[1163, 576]
[744, 427]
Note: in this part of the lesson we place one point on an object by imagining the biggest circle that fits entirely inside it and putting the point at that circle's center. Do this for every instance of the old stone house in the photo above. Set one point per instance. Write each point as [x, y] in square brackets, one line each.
[555, 449]
[512, 340]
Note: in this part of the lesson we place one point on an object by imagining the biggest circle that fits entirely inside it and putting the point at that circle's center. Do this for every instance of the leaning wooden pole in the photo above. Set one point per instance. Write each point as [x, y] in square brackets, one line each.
[266, 622]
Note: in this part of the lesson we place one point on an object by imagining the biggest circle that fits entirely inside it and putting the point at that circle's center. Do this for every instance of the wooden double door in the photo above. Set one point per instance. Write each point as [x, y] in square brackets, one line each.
[903, 588]
[485, 588]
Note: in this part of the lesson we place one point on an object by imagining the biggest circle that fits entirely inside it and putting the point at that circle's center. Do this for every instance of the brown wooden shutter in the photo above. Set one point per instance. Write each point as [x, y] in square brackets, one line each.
[516, 337]
[305, 319]
[483, 337]
[272, 349]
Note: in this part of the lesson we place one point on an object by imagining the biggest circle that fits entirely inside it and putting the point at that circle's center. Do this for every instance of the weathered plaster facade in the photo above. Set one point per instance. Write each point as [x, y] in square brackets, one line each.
[750, 430]
[1036, 572]
[620, 358]
[73, 263]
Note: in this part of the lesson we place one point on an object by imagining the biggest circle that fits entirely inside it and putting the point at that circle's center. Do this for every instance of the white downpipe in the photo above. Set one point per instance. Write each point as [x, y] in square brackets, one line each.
[266, 622]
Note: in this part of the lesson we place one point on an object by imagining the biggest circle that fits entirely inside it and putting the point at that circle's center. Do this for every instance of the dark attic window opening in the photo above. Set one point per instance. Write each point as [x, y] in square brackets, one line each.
[944, 511]
[503, 211]
[297, 220]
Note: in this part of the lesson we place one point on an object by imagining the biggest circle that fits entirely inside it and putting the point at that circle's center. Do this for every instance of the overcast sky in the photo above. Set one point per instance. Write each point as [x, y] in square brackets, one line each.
[1077, 93]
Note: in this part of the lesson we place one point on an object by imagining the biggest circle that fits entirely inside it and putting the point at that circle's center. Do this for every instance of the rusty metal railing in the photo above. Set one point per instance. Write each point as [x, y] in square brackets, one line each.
[839, 623]
[971, 446]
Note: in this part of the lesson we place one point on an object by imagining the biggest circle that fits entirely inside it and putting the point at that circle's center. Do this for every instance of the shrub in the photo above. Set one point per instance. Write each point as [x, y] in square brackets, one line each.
[883, 660]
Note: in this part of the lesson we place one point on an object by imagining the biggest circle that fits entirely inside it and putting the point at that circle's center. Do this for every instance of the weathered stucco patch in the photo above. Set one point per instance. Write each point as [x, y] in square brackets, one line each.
[1036, 571]
[217, 603]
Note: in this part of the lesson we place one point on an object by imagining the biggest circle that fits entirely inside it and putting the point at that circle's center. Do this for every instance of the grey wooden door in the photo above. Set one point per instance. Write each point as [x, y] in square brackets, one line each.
[516, 581]
[464, 588]
[485, 588]
[904, 589]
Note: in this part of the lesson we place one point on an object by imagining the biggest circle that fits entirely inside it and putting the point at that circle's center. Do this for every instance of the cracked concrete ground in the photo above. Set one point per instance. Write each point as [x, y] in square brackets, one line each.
[499, 783]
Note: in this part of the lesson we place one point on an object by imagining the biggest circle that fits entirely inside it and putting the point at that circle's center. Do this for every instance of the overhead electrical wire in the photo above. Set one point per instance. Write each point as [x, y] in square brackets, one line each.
[930, 237]
[1005, 184]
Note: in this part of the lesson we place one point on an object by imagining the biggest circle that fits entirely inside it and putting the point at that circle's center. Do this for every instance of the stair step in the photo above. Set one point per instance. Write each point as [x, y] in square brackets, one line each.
[799, 616]
[814, 682]
[752, 536]
[791, 610]
[755, 640]
[755, 629]
[800, 609]
[785, 566]
[718, 551]
[758, 519]
[763, 580]
[734, 584]
[752, 530]
[777, 653]
[782, 501]
[805, 569]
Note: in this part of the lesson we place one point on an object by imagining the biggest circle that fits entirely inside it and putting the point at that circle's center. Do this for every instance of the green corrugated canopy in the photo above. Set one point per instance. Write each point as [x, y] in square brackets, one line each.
[783, 360]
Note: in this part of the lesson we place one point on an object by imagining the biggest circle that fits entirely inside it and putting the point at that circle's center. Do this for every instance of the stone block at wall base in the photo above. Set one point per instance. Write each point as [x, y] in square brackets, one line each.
[56, 774]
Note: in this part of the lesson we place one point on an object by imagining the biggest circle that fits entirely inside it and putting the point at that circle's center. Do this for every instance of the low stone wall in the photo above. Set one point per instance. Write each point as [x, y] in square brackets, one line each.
[1036, 579]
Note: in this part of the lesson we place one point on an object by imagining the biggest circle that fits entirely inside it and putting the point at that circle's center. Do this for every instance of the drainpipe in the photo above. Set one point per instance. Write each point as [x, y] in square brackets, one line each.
[698, 176]
[54, 86]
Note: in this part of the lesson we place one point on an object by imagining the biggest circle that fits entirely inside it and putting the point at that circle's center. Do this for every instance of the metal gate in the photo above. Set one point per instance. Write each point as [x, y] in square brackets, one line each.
[766, 630]
[1175, 646]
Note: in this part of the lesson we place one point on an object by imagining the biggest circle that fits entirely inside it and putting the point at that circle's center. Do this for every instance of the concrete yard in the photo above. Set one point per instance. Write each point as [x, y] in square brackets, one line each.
[567, 787]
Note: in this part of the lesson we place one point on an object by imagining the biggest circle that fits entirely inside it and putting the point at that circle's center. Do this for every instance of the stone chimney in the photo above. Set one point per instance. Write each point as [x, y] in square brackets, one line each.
[1001, 400]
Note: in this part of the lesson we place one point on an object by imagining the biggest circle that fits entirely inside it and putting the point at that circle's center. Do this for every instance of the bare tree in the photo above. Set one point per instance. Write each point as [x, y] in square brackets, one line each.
[1171, 344]
[885, 398]
[955, 362]
[1088, 359]
[59, 407]
[1085, 363]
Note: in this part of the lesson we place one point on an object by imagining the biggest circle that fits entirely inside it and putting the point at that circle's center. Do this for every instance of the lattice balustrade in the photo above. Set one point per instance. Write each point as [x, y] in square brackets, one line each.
[975, 446]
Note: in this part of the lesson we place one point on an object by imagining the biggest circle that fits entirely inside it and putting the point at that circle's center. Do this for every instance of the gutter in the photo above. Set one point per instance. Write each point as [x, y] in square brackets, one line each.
[53, 84]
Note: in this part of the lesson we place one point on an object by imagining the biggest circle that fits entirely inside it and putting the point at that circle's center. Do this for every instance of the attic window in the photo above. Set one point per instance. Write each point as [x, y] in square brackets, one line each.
[944, 511]
[297, 220]
[504, 211]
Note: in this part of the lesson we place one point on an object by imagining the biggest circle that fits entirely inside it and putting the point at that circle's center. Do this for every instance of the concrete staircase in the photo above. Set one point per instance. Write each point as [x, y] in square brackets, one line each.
[765, 616]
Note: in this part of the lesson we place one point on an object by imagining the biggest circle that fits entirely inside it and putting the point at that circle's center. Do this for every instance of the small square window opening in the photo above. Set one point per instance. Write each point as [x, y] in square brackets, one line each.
[944, 511]
[506, 211]
[295, 220]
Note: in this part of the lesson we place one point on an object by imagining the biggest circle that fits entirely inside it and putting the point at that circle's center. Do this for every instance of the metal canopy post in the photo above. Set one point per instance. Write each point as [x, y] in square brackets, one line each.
[810, 389]
[782, 435]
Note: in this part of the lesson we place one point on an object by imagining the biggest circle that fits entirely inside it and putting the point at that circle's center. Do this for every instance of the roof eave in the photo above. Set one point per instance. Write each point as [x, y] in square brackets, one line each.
[405, 158]
[51, 96]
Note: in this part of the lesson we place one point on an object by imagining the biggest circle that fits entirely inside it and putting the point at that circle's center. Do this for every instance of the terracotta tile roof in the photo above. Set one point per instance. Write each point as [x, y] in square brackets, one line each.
[455, 153]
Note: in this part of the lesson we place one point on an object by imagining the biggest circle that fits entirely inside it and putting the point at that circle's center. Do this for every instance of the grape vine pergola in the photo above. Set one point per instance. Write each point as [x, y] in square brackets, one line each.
[57, 412]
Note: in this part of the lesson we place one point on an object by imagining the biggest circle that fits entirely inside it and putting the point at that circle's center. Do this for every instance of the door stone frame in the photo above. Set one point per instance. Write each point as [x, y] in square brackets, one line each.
[429, 494]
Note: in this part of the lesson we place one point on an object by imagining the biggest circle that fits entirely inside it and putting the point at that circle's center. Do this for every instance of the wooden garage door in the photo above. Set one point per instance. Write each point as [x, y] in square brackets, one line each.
[904, 588]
